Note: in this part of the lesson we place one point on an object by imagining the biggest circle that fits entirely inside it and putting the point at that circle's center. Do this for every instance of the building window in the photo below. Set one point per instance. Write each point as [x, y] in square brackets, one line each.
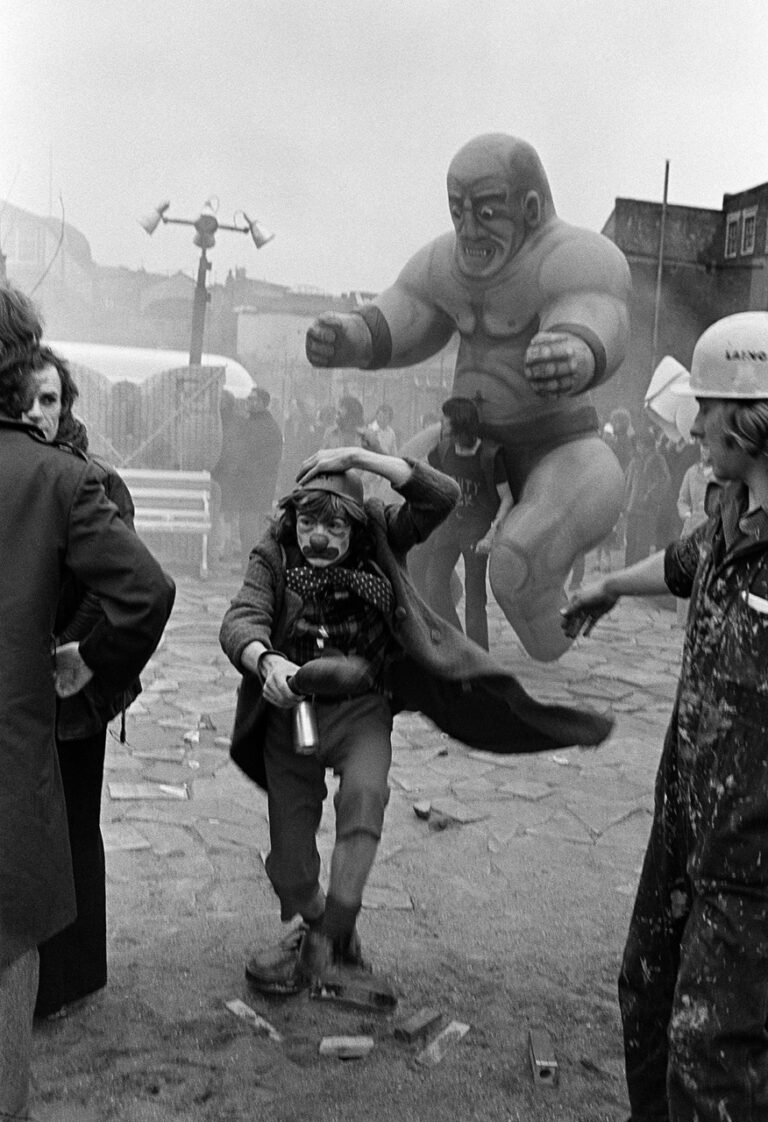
[732, 234]
[748, 230]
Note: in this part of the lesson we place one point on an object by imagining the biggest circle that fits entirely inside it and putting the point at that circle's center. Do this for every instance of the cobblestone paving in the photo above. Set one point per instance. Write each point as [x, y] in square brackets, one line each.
[173, 781]
[186, 833]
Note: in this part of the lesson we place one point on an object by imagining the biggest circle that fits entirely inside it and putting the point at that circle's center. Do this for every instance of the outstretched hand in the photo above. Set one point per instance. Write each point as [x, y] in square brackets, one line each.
[585, 608]
[558, 364]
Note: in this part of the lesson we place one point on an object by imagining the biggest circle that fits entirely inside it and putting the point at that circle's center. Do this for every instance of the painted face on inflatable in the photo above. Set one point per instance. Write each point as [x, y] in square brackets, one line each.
[497, 194]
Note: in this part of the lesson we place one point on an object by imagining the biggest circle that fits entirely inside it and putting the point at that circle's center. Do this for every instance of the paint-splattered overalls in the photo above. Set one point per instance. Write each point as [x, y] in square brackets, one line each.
[694, 982]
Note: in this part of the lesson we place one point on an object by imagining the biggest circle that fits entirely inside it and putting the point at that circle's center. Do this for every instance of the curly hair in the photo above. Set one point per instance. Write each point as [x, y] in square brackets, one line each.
[69, 390]
[20, 332]
[72, 431]
[20, 322]
[746, 426]
[17, 385]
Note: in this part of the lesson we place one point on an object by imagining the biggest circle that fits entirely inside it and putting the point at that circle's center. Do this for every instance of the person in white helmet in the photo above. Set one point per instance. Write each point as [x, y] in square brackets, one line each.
[693, 988]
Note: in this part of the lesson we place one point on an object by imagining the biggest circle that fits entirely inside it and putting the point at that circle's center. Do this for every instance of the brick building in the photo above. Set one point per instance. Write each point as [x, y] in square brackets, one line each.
[714, 263]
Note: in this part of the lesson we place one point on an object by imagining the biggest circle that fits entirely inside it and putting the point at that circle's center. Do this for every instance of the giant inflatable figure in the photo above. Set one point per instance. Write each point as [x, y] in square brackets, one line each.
[541, 312]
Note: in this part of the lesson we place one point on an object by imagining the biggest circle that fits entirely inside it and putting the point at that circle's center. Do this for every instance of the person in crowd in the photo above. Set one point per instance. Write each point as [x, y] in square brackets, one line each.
[259, 451]
[678, 455]
[691, 499]
[540, 309]
[325, 419]
[57, 520]
[694, 502]
[618, 434]
[693, 987]
[380, 435]
[381, 427]
[646, 483]
[349, 430]
[224, 499]
[621, 439]
[328, 583]
[349, 427]
[477, 465]
[298, 443]
[73, 964]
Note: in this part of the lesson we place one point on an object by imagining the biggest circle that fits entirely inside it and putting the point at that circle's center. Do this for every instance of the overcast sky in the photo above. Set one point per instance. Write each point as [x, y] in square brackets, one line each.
[333, 121]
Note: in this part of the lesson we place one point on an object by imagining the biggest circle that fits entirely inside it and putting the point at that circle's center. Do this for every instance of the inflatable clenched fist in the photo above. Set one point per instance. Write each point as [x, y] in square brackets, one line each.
[335, 340]
[541, 308]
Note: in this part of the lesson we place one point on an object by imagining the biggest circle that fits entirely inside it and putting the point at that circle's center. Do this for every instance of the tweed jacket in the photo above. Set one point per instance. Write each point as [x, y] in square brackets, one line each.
[55, 516]
[437, 670]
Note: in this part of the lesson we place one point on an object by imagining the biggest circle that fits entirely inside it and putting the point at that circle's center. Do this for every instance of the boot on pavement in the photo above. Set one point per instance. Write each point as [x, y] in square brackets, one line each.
[276, 971]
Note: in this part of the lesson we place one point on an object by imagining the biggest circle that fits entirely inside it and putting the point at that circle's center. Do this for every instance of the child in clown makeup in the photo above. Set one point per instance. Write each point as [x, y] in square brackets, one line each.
[330, 576]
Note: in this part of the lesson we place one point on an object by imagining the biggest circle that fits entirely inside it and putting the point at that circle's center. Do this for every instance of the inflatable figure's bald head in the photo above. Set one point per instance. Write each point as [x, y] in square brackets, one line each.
[497, 192]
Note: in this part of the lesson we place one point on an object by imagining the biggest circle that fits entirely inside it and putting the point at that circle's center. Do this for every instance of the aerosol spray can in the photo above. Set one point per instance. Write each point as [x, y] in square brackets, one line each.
[306, 739]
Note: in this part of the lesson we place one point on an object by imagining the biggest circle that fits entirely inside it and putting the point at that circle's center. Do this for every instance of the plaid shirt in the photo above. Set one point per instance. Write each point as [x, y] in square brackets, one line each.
[344, 610]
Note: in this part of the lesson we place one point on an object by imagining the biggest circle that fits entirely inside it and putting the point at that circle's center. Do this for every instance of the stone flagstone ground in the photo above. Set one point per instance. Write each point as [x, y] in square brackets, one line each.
[505, 909]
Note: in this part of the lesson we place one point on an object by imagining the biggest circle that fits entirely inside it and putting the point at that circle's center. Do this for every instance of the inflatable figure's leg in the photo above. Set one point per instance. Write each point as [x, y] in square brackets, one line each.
[569, 502]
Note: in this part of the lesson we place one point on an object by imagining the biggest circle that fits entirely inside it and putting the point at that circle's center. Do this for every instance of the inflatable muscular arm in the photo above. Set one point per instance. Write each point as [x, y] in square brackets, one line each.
[401, 327]
[584, 323]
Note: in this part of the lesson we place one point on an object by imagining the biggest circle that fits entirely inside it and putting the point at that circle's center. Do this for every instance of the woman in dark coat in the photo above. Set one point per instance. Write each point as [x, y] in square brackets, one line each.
[56, 518]
[73, 964]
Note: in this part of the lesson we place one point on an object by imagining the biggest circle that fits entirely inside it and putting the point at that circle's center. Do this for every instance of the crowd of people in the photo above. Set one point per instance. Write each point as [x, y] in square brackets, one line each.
[260, 461]
[654, 509]
[347, 613]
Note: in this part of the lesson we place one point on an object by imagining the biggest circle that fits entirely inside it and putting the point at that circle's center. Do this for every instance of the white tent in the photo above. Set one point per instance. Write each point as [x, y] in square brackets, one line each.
[137, 364]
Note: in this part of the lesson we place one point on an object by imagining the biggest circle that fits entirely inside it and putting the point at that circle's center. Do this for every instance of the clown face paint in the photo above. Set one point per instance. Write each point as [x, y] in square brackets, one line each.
[323, 544]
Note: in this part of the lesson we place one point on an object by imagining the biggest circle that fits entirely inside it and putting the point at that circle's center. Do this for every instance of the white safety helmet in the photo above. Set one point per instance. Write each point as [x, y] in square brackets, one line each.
[730, 360]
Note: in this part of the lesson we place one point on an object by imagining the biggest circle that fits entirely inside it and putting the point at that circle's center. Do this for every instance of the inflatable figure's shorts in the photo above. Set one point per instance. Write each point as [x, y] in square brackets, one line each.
[524, 444]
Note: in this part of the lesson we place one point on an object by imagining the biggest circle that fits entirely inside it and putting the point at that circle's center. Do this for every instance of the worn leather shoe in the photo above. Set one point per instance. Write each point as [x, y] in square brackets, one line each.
[276, 971]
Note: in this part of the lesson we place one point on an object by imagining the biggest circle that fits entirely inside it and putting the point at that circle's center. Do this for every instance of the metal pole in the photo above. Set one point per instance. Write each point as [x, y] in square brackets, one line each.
[198, 312]
[659, 271]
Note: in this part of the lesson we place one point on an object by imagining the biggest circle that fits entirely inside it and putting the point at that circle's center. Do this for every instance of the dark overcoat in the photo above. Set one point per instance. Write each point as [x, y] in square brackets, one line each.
[54, 515]
[94, 706]
[438, 671]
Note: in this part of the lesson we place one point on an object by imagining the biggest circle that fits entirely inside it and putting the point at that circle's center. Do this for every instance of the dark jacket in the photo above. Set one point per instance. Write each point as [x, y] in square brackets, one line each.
[259, 449]
[79, 611]
[489, 450]
[438, 671]
[54, 515]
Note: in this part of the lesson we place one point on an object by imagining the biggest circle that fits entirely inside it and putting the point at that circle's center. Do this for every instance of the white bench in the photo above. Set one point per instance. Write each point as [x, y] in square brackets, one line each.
[172, 502]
